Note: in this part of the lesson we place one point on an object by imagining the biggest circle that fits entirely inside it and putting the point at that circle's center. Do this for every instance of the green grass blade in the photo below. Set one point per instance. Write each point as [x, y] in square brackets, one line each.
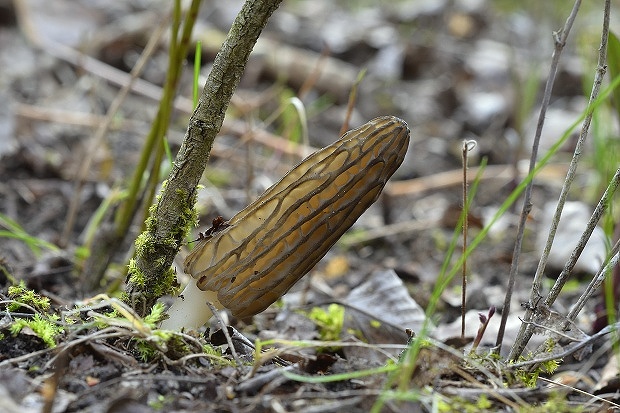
[613, 63]
[15, 231]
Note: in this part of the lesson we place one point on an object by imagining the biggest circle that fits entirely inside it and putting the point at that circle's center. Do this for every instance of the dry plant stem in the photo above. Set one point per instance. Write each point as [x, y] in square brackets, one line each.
[465, 150]
[352, 101]
[568, 388]
[224, 328]
[568, 267]
[151, 276]
[526, 330]
[570, 349]
[595, 283]
[611, 188]
[560, 42]
[311, 80]
[606, 269]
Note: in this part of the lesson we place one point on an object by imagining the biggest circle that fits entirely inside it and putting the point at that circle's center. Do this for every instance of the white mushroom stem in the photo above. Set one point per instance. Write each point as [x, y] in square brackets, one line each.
[190, 310]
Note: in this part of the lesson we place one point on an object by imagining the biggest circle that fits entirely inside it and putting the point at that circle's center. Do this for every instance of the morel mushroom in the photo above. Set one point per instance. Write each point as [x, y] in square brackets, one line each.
[250, 261]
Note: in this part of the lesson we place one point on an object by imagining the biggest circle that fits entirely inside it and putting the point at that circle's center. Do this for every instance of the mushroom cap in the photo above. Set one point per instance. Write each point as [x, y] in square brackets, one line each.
[268, 246]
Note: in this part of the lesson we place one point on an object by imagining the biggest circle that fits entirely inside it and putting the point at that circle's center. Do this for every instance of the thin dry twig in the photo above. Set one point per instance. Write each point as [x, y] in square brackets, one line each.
[467, 147]
[602, 205]
[560, 42]
[224, 329]
[569, 350]
[554, 384]
[597, 280]
[526, 330]
[441, 180]
[352, 101]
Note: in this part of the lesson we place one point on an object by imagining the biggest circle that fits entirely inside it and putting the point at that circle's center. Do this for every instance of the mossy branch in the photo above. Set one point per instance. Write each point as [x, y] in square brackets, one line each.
[150, 274]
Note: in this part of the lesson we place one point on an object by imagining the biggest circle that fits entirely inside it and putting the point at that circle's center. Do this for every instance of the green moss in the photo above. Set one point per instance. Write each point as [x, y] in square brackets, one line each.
[556, 403]
[329, 322]
[23, 295]
[44, 327]
[146, 351]
[156, 315]
[136, 276]
[167, 286]
[530, 378]
[146, 285]
[188, 217]
[152, 214]
[145, 244]
[528, 375]
[458, 404]
[212, 351]
[160, 342]
[215, 356]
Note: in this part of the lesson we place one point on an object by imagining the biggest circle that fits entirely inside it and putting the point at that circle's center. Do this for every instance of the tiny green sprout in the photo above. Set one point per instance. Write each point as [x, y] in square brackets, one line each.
[330, 322]
[44, 327]
[23, 295]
